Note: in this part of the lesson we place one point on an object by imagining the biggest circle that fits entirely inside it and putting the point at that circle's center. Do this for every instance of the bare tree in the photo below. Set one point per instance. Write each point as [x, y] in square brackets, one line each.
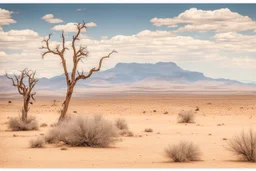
[25, 89]
[78, 56]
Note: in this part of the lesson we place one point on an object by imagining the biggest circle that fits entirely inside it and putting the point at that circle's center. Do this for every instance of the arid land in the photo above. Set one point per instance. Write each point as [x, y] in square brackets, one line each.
[219, 117]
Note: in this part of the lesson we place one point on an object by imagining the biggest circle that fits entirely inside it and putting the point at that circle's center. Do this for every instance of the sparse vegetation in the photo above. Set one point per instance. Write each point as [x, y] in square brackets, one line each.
[148, 130]
[37, 143]
[183, 152]
[121, 124]
[17, 124]
[186, 117]
[83, 131]
[43, 125]
[244, 145]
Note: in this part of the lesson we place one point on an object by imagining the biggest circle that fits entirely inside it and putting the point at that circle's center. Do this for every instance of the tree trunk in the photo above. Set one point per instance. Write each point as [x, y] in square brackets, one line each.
[65, 105]
[25, 109]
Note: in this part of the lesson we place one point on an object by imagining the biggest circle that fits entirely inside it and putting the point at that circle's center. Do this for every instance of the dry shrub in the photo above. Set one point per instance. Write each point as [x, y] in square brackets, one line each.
[186, 117]
[17, 124]
[183, 152]
[148, 130]
[37, 143]
[244, 146]
[126, 133]
[83, 131]
[123, 128]
[121, 124]
[43, 125]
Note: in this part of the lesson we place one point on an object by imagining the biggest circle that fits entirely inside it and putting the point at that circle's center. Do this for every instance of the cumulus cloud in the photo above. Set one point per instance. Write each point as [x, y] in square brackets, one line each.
[19, 39]
[49, 18]
[5, 17]
[220, 20]
[71, 27]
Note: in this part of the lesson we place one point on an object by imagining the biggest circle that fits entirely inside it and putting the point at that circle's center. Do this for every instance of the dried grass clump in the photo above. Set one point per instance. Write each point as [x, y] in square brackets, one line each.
[121, 124]
[183, 152]
[43, 125]
[17, 124]
[186, 117]
[148, 130]
[123, 129]
[83, 131]
[244, 146]
[37, 143]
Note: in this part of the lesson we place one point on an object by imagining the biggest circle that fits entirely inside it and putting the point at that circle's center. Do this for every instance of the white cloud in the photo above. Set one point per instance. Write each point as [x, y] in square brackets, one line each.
[220, 20]
[19, 39]
[49, 18]
[81, 9]
[71, 27]
[5, 17]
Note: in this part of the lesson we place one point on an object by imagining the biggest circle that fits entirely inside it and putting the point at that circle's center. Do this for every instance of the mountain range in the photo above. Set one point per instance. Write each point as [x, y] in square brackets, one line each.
[137, 78]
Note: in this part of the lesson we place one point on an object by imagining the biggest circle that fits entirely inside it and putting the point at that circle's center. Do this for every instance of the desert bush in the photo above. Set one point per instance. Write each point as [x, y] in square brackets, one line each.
[244, 145]
[148, 130]
[186, 116]
[121, 124]
[43, 125]
[17, 124]
[183, 152]
[126, 133]
[83, 131]
[37, 143]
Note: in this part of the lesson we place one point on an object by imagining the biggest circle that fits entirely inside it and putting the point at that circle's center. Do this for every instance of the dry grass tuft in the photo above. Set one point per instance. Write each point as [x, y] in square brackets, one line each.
[43, 125]
[37, 143]
[186, 117]
[148, 130]
[183, 152]
[83, 131]
[244, 146]
[121, 124]
[16, 124]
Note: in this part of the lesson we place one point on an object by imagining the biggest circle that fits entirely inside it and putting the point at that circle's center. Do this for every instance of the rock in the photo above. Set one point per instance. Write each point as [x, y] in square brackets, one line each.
[225, 139]
[197, 108]
[154, 110]
[63, 148]
[144, 111]
[9, 101]
[165, 113]
[74, 111]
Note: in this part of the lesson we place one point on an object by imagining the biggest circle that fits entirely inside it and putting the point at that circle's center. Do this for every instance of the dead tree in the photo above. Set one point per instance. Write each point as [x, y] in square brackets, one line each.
[78, 55]
[25, 89]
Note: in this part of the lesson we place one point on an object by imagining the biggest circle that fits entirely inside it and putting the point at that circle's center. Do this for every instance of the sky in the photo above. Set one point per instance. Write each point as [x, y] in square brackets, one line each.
[218, 40]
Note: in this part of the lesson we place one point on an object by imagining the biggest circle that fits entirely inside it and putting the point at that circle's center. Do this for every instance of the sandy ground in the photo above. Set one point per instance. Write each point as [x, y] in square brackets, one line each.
[235, 112]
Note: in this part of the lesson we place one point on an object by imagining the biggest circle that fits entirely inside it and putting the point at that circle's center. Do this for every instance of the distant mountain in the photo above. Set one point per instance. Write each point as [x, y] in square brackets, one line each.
[136, 76]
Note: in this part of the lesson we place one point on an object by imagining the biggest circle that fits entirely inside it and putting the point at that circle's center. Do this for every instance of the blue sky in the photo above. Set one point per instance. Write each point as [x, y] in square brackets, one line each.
[112, 19]
[122, 23]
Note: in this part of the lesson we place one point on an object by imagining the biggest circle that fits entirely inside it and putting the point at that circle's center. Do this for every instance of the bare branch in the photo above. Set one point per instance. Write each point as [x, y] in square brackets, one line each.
[58, 52]
[82, 76]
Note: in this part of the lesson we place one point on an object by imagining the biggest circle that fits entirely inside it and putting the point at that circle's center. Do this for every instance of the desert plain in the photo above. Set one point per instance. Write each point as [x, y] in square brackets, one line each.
[218, 119]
